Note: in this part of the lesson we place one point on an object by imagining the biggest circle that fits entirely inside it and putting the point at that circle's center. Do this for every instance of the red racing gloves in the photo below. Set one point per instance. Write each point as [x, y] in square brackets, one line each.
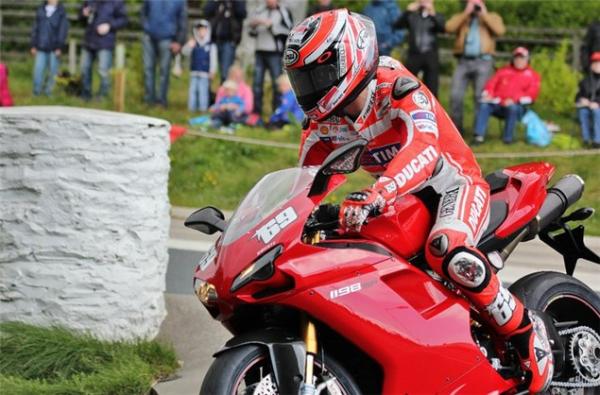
[369, 202]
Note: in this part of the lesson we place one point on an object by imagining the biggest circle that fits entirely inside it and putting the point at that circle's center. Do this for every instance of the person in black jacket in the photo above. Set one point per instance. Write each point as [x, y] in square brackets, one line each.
[423, 25]
[102, 19]
[48, 37]
[320, 6]
[590, 44]
[226, 19]
[588, 103]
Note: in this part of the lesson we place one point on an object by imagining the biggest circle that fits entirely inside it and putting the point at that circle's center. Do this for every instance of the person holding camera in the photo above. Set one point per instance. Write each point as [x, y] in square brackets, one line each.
[270, 25]
[423, 24]
[102, 19]
[476, 31]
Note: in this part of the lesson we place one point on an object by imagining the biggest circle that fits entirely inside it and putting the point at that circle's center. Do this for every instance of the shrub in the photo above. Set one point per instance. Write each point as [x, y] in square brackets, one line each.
[559, 80]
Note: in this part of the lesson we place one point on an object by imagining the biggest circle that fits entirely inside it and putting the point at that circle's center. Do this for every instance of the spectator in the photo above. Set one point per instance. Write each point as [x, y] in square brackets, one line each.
[229, 109]
[320, 6]
[289, 106]
[5, 97]
[384, 14]
[236, 74]
[423, 25]
[48, 36]
[203, 65]
[590, 45]
[165, 30]
[226, 18]
[506, 94]
[270, 26]
[102, 20]
[588, 103]
[476, 30]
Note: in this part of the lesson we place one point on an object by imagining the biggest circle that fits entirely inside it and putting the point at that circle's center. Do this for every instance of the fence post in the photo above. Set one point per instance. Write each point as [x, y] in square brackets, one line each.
[575, 62]
[119, 73]
[72, 56]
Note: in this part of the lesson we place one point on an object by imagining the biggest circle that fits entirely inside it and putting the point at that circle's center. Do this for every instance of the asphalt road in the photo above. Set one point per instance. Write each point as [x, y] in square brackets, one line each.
[196, 336]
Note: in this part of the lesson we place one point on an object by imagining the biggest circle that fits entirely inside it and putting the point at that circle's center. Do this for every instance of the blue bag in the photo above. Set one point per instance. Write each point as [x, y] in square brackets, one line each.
[537, 131]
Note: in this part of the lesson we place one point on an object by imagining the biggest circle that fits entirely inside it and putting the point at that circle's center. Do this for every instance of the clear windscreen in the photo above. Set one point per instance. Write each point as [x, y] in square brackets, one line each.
[269, 194]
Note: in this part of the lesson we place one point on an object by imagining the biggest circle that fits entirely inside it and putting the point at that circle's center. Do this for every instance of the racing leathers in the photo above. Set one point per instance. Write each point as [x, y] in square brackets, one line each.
[413, 144]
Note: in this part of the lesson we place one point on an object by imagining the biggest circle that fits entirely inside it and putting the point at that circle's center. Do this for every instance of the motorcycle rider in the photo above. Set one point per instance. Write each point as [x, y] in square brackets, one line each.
[347, 91]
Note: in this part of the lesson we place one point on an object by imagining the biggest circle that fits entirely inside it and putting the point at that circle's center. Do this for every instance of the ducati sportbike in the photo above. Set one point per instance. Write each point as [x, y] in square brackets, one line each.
[313, 310]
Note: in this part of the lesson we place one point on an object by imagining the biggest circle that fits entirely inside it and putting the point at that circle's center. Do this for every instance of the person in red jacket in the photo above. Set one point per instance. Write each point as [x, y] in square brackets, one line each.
[506, 94]
[348, 92]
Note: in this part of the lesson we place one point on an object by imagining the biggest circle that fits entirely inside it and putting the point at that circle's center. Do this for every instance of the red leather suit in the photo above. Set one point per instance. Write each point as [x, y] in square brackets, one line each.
[413, 142]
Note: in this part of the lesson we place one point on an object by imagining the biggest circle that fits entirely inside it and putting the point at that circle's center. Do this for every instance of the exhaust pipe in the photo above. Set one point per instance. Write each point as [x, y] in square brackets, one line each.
[563, 194]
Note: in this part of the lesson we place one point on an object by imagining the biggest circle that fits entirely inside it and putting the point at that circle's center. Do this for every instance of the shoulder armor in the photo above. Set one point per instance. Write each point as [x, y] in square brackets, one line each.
[403, 86]
[305, 122]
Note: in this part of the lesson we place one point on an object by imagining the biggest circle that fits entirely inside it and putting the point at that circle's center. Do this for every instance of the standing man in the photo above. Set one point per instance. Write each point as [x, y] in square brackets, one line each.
[423, 25]
[48, 36]
[476, 31]
[165, 30]
[226, 19]
[270, 25]
[506, 94]
[102, 20]
[384, 14]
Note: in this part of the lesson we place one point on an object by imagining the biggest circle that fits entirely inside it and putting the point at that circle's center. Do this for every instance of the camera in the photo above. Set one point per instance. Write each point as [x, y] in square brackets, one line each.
[477, 8]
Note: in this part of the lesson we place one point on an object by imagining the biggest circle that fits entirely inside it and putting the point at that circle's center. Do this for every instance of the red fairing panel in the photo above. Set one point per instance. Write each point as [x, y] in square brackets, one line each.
[403, 319]
[525, 194]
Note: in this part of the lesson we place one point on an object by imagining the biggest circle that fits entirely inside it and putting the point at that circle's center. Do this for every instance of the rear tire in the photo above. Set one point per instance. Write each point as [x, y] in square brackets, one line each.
[563, 297]
[566, 300]
[232, 368]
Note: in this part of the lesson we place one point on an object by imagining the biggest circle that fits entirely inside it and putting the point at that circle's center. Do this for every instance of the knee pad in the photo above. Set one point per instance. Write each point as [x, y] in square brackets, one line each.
[468, 269]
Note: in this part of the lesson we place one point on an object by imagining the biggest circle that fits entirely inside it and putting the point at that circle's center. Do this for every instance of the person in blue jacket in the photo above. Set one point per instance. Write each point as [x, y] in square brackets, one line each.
[102, 19]
[165, 31]
[48, 37]
[289, 110]
[384, 14]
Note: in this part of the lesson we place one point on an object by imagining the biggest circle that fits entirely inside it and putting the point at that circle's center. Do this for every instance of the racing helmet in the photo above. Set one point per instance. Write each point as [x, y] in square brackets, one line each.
[330, 58]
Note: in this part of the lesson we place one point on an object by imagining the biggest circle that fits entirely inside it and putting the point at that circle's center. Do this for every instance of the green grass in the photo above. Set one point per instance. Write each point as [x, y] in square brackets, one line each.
[211, 172]
[58, 361]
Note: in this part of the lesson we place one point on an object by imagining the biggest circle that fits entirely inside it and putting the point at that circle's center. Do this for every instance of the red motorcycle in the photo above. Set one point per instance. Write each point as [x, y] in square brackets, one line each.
[314, 311]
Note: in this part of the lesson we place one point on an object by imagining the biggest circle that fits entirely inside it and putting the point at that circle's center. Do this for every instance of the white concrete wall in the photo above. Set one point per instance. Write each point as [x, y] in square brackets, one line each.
[84, 219]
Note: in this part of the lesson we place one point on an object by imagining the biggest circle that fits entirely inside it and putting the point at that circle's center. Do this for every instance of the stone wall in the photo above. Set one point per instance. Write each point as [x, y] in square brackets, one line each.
[84, 219]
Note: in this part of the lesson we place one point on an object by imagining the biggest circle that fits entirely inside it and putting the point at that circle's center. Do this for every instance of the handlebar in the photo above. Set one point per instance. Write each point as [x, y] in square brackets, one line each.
[326, 217]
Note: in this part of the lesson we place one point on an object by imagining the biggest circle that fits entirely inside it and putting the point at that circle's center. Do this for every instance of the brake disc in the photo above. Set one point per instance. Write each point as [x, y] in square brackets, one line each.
[266, 386]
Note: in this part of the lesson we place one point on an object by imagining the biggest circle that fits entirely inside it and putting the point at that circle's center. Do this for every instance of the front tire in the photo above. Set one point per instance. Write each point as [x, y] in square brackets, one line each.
[241, 370]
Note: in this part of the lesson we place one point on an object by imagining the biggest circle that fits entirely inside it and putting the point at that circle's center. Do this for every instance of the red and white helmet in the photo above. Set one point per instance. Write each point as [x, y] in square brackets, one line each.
[330, 58]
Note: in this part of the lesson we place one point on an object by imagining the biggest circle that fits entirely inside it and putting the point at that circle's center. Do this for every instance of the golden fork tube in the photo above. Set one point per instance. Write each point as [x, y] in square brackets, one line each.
[310, 339]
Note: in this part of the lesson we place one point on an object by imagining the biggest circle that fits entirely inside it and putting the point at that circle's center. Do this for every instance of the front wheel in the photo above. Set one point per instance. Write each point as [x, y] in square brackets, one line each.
[575, 311]
[247, 370]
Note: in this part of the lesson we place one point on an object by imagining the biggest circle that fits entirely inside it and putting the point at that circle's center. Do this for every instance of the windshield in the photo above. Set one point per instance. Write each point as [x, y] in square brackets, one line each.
[268, 195]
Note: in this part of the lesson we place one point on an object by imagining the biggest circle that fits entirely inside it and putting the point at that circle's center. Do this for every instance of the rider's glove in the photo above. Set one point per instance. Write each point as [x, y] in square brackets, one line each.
[358, 206]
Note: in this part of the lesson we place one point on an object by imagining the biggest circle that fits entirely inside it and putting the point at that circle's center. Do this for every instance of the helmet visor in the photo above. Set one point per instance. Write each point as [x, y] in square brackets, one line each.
[309, 82]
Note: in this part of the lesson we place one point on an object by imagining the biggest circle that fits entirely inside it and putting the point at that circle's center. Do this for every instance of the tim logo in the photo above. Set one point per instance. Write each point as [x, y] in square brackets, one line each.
[381, 156]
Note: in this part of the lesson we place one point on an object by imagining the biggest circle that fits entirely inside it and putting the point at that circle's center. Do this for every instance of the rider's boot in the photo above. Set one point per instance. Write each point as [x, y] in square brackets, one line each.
[533, 347]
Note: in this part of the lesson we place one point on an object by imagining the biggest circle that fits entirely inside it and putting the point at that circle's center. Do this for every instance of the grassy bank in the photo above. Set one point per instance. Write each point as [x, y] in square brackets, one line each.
[220, 173]
[56, 361]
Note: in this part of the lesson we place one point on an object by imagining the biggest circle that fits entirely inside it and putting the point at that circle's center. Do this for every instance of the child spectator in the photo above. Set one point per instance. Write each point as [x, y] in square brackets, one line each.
[506, 94]
[48, 37]
[5, 97]
[588, 103]
[203, 65]
[289, 105]
[229, 109]
[236, 74]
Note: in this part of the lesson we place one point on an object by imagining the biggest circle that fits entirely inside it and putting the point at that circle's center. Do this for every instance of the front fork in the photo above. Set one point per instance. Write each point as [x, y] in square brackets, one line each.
[310, 339]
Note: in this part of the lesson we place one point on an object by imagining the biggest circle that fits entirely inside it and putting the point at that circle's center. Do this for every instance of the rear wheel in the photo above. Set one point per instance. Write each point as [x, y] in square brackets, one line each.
[247, 370]
[575, 311]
